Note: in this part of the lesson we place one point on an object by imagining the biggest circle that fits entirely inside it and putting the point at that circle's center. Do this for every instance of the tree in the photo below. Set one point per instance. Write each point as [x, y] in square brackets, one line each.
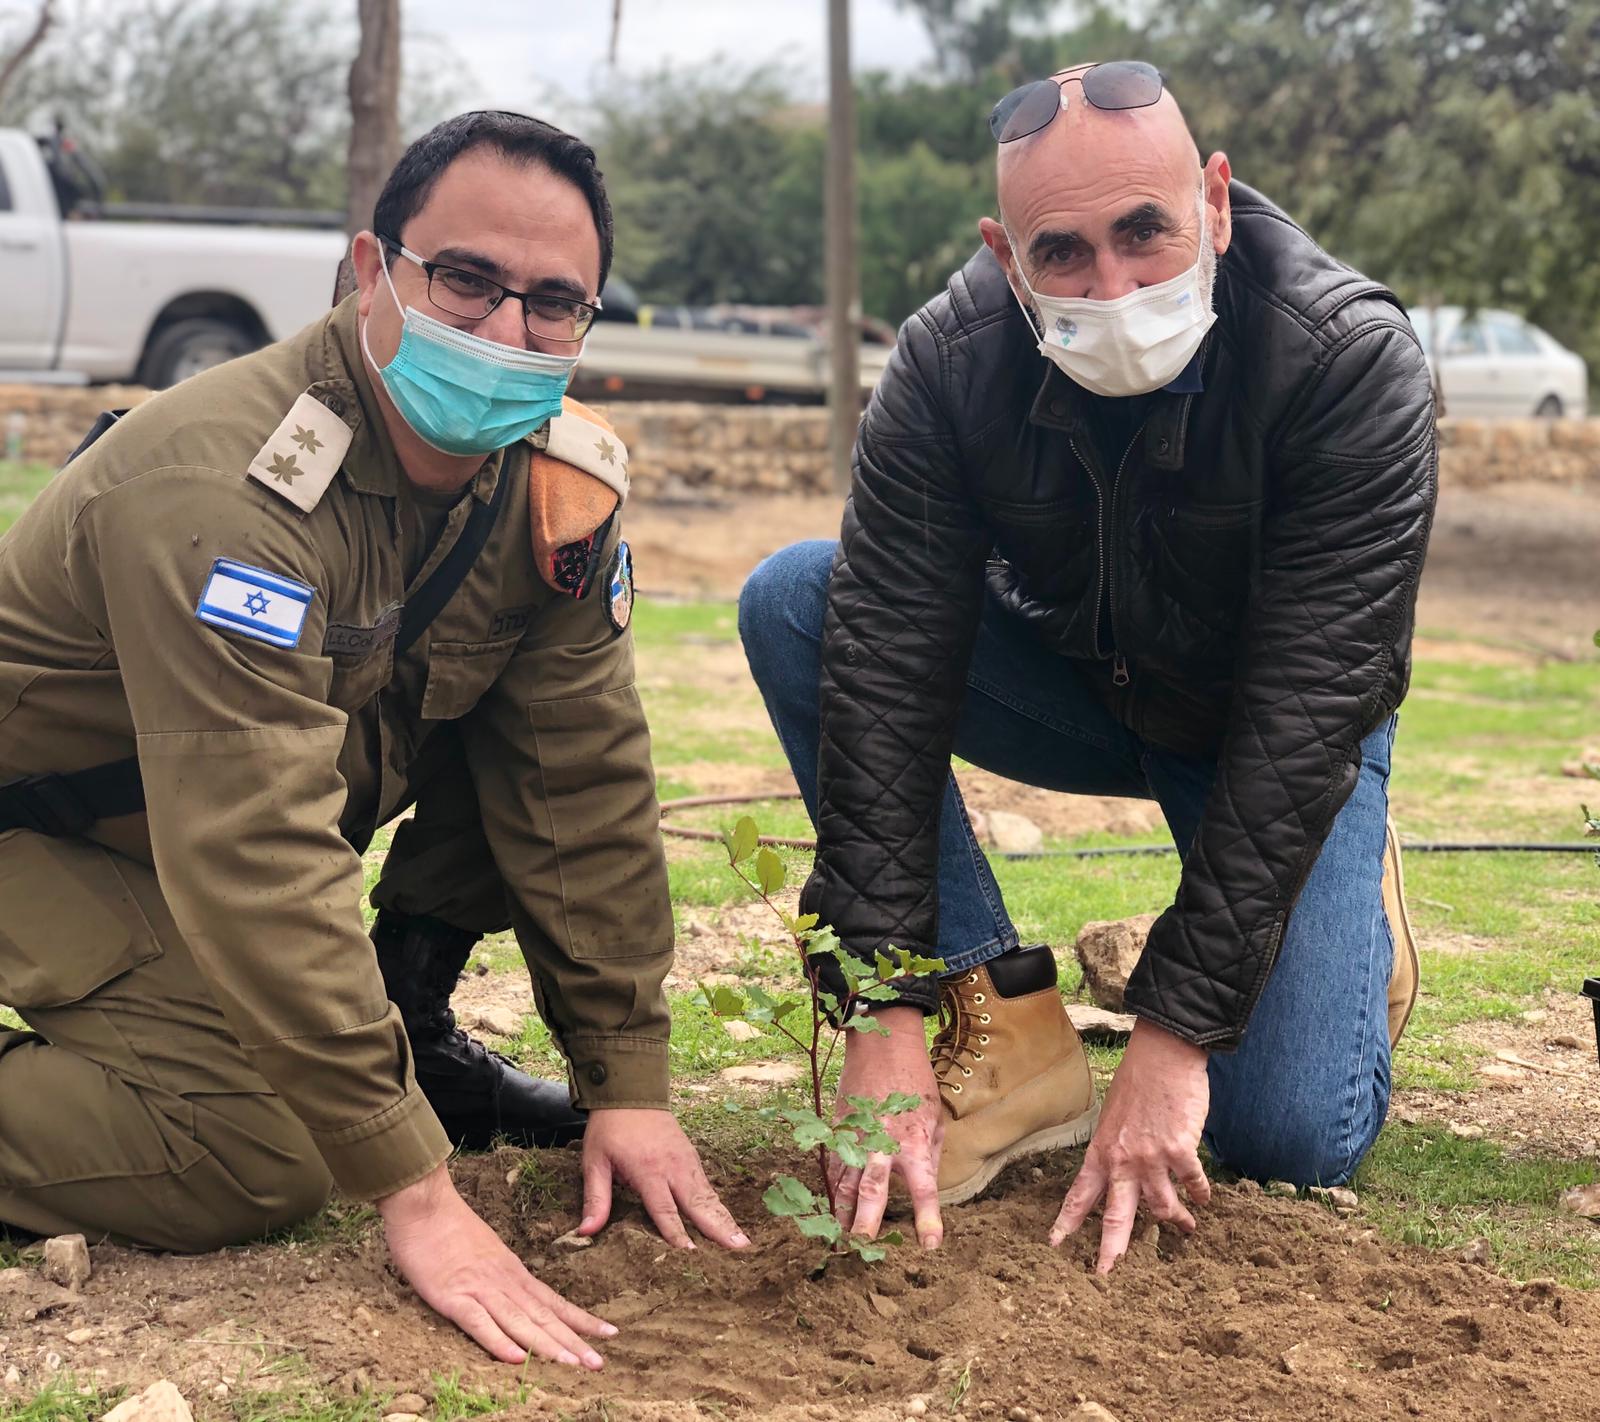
[374, 89]
[29, 42]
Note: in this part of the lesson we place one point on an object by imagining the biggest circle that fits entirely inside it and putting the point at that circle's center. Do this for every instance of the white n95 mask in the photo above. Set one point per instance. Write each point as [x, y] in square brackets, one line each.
[1132, 345]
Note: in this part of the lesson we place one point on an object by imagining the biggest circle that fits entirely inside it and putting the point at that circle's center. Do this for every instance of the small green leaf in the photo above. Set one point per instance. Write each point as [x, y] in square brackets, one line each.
[722, 1001]
[733, 1108]
[827, 1001]
[881, 1142]
[787, 1196]
[742, 843]
[898, 1102]
[870, 1253]
[769, 870]
[893, 1237]
[849, 1151]
[822, 1226]
[803, 924]
[811, 1134]
[864, 1023]
[878, 992]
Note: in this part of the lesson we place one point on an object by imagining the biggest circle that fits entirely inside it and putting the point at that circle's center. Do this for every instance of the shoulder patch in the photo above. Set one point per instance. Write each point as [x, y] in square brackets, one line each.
[591, 447]
[619, 588]
[304, 453]
[252, 602]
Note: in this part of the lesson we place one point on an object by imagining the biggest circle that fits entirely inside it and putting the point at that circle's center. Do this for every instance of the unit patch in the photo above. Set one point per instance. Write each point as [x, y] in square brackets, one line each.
[349, 640]
[254, 603]
[619, 588]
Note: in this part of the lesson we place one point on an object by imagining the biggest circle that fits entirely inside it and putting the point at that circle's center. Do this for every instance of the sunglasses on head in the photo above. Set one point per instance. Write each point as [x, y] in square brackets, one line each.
[1117, 84]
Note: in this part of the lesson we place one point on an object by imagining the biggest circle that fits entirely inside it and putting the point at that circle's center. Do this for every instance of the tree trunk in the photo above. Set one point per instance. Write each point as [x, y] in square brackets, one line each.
[374, 119]
[14, 62]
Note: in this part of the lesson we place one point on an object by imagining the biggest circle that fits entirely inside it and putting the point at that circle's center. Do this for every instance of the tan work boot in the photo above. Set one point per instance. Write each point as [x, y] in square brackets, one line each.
[1407, 972]
[1013, 1077]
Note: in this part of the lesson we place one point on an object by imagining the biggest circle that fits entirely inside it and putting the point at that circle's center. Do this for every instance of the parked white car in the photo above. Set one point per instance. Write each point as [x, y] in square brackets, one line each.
[89, 298]
[1489, 364]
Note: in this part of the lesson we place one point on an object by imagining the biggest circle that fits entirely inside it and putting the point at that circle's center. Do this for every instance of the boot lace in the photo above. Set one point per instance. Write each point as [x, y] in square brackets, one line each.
[961, 1037]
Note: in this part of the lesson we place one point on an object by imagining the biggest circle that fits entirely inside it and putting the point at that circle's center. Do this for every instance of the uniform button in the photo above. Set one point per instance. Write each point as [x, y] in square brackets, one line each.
[851, 655]
[1058, 407]
[1164, 445]
[334, 403]
[597, 1075]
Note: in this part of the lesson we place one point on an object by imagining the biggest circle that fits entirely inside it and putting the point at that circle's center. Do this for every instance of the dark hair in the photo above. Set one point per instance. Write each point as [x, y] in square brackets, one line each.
[518, 137]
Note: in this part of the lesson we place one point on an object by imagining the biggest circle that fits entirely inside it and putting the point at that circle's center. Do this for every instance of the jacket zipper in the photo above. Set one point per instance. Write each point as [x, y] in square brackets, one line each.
[1120, 675]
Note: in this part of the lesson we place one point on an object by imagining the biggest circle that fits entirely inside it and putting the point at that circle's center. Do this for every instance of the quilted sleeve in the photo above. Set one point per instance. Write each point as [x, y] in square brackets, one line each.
[903, 607]
[1351, 491]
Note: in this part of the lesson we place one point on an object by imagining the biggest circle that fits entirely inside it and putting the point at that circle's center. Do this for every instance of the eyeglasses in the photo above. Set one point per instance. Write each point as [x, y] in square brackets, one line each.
[473, 297]
[1118, 84]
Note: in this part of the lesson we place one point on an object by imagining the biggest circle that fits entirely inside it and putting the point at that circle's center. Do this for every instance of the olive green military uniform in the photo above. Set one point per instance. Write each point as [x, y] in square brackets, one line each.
[210, 1041]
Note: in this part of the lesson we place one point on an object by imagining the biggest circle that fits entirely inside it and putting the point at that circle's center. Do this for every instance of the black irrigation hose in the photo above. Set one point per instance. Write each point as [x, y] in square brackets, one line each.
[1425, 847]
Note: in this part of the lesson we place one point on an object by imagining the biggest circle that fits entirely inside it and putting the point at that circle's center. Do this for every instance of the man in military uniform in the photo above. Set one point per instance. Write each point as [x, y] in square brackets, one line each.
[374, 566]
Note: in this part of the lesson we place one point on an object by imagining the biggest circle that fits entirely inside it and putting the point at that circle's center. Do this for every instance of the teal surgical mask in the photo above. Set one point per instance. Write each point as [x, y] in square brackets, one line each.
[465, 395]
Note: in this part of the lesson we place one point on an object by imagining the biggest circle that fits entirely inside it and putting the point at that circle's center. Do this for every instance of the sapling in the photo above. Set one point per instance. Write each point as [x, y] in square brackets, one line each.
[815, 1023]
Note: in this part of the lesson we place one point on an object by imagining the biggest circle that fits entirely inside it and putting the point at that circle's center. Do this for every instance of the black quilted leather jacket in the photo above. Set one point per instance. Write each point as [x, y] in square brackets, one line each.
[1242, 584]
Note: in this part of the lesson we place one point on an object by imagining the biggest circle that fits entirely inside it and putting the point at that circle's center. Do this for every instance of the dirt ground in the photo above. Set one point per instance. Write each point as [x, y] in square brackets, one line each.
[1514, 566]
[1276, 1309]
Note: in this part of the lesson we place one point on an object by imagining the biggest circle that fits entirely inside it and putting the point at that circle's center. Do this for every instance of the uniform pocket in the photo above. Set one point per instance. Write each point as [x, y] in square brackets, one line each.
[358, 679]
[68, 924]
[460, 672]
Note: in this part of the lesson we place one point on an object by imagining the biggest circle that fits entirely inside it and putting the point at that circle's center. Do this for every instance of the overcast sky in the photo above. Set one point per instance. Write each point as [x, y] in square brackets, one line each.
[526, 52]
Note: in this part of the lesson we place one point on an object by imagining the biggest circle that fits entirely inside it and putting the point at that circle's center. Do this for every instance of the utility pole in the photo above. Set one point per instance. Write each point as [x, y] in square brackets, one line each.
[844, 296]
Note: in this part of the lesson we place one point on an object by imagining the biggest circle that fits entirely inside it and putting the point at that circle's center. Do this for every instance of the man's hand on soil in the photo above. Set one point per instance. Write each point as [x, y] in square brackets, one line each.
[459, 1266]
[648, 1152]
[877, 1066]
[1149, 1133]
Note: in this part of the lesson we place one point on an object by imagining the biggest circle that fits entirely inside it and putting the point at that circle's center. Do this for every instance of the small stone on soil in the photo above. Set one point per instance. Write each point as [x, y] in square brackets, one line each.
[1266, 1258]
[1477, 1252]
[741, 1031]
[1093, 1412]
[1009, 833]
[80, 1335]
[1097, 1024]
[66, 1261]
[762, 1074]
[1017, 1414]
[1566, 1039]
[499, 1022]
[1535, 1015]
[409, 1402]
[1466, 1133]
[1281, 1190]
[884, 1308]
[1582, 1200]
[1344, 1201]
[917, 1407]
[160, 1402]
[13, 1378]
[401, 1417]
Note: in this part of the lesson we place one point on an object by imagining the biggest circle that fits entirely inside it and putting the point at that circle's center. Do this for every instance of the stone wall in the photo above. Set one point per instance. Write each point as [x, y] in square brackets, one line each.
[686, 450]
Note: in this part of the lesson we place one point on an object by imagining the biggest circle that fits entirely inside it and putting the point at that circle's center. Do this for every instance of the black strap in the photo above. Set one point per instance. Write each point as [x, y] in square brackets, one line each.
[103, 421]
[430, 599]
[68, 803]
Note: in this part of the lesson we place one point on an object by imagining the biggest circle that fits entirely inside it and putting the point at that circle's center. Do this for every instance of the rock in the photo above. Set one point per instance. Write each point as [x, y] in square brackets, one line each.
[1107, 952]
[1535, 1015]
[13, 1378]
[1281, 1190]
[363, 1316]
[66, 1261]
[24, 1296]
[413, 1402]
[52, 1362]
[401, 1417]
[220, 1391]
[1094, 1411]
[1265, 1257]
[1017, 1414]
[1582, 1200]
[1501, 1074]
[1568, 1040]
[1405, 1115]
[1344, 1202]
[1466, 1133]
[1097, 1024]
[1007, 833]
[572, 1240]
[160, 1402]
[498, 1022]
[741, 1031]
[1478, 1252]
[762, 1074]
[884, 1308]
[917, 1407]
[80, 1335]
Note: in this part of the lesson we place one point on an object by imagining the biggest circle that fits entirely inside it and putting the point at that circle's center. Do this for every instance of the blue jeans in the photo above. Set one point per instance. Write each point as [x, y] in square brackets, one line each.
[1304, 1096]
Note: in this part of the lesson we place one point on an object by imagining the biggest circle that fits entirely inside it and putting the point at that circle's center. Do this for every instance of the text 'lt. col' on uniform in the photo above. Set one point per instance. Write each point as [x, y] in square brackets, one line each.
[231, 585]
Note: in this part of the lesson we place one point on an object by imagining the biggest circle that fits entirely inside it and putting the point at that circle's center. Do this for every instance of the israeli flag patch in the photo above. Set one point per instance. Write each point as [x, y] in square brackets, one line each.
[254, 603]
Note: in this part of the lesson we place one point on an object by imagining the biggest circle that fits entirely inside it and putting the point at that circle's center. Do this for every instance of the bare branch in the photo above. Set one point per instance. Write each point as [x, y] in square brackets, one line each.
[19, 56]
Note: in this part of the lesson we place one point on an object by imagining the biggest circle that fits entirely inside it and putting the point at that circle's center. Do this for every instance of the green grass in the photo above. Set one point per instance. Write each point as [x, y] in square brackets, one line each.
[1423, 1186]
[62, 1399]
[19, 483]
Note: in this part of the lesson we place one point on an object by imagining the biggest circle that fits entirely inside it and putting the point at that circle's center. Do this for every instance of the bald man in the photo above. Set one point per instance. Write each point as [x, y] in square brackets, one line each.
[1138, 509]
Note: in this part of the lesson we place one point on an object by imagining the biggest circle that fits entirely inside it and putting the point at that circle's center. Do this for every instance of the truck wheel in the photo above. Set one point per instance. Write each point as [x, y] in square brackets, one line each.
[1549, 408]
[186, 348]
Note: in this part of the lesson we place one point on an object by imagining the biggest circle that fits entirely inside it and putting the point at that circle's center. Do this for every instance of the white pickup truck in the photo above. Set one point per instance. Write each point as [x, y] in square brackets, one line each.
[91, 298]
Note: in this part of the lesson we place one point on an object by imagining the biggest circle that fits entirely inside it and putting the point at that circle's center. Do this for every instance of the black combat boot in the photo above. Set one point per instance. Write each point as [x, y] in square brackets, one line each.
[478, 1095]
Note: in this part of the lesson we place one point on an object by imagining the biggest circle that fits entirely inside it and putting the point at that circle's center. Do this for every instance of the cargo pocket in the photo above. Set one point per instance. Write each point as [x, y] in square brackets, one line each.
[460, 672]
[68, 924]
[598, 787]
